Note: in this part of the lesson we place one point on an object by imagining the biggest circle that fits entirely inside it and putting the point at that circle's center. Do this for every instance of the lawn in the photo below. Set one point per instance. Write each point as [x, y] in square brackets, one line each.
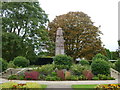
[76, 87]
[44, 86]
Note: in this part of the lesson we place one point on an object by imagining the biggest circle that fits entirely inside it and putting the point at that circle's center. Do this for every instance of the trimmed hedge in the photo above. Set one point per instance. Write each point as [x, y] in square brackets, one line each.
[43, 61]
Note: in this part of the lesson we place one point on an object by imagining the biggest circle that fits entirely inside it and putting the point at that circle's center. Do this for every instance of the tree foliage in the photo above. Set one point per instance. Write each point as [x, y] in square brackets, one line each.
[82, 38]
[23, 25]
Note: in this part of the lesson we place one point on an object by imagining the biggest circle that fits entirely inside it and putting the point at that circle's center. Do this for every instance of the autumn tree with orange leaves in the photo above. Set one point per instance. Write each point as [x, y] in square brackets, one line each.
[82, 37]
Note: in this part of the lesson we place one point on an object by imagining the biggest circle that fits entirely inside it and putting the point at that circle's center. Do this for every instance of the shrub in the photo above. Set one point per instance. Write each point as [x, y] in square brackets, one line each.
[84, 62]
[59, 67]
[33, 75]
[13, 77]
[42, 77]
[100, 56]
[73, 77]
[21, 61]
[11, 65]
[63, 60]
[67, 74]
[117, 65]
[88, 74]
[100, 67]
[77, 69]
[3, 65]
[95, 78]
[52, 78]
[104, 77]
[82, 77]
[46, 69]
[60, 73]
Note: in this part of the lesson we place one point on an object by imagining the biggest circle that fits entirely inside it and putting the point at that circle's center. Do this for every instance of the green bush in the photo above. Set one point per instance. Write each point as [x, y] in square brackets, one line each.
[46, 69]
[100, 67]
[95, 78]
[21, 61]
[3, 65]
[63, 60]
[82, 77]
[77, 69]
[72, 77]
[100, 56]
[59, 67]
[117, 65]
[11, 65]
[41, 77]
[52, 78]
[84, 62]
[104, 77]
[13, 77]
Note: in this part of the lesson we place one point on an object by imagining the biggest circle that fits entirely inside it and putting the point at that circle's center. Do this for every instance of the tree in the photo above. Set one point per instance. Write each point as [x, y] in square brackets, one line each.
[27, 20]
[82, 38]
[108, 54]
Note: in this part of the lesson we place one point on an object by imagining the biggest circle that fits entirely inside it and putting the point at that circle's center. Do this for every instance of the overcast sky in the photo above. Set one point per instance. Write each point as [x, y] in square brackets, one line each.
[102, 12]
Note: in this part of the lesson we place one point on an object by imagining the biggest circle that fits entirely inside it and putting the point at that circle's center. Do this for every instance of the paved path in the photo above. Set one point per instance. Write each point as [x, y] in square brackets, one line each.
[63, 84]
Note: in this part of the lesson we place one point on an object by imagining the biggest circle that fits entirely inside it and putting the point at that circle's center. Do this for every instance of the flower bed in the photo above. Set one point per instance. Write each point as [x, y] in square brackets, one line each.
[28, 85]
[109, 87]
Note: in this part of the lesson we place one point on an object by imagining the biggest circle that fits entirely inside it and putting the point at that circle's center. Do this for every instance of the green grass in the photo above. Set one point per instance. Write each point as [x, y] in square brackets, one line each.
[43, 86]
[84, 87]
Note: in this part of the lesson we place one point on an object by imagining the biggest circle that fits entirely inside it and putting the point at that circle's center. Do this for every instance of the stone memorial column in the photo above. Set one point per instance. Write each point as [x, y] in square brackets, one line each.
[59, 47]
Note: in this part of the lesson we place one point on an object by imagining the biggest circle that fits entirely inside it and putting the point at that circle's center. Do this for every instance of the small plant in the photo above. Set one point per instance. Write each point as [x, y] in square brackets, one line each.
[63, 60]
[95, 78]
[117, 65]
[104, 77]
[60, 73]
[33, 75]
[77, 69]
[11, 65]
[42, 77]
[21, 61]
[100, 67]
[67, 74]
[84, 62]
[13, 77]
[3, 65]
[73, 77]
[52, 78]
[100, 56]
[46, 69]
[82, 77]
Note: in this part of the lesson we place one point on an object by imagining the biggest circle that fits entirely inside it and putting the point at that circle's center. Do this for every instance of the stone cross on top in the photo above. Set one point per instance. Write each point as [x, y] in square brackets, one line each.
[59, 49]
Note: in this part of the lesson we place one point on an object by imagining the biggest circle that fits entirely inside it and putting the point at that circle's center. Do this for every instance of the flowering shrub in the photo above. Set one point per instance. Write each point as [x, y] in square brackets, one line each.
[88, 74]
[108, 87]
[60, 73]
[33, 75]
